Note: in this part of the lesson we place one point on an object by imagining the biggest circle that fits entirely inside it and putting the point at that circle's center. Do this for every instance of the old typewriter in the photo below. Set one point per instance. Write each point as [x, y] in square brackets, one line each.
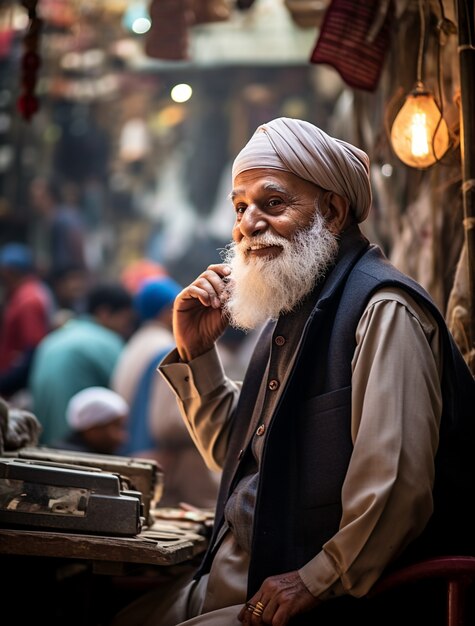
[49, 489]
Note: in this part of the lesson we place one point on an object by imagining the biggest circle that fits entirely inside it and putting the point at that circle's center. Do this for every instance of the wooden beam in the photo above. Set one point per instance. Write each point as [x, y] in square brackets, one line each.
[466, 51]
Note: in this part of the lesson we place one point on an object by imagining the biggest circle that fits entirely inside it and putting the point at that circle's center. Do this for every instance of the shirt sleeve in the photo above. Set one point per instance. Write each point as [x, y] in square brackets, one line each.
[396, 409]
[206, 398]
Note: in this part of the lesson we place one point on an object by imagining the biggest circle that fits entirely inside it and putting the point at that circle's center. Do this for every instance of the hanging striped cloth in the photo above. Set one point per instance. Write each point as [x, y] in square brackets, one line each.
[353, 39]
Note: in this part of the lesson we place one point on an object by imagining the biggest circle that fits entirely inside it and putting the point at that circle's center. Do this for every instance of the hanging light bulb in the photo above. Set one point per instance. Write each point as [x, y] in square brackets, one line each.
[419, 134]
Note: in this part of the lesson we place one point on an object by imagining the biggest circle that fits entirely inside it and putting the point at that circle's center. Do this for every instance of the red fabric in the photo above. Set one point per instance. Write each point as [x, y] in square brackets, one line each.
[26, 320]
[343, 41]
[6, 39]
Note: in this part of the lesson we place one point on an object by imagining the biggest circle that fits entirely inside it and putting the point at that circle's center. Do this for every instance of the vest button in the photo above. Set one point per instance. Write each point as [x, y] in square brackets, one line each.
[273, 385]
[260, 430]
[241, 454]
[279, 340]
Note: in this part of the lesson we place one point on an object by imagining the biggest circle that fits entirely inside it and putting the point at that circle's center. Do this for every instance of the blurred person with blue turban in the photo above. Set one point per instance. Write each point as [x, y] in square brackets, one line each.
[156, 428]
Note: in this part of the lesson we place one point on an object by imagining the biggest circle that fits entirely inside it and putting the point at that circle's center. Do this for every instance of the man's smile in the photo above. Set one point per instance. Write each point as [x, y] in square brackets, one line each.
[263, 250]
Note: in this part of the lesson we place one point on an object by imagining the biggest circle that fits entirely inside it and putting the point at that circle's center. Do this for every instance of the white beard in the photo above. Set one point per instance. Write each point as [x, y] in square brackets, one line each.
[263, 288]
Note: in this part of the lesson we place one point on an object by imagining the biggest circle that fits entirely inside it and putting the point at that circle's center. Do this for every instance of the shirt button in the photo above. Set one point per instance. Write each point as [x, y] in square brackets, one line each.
[260, 430]
[279, 340]
[273, 385]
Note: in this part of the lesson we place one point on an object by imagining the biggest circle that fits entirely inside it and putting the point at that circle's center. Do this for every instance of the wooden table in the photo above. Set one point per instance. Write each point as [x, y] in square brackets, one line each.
[165, 543]
[82, 580]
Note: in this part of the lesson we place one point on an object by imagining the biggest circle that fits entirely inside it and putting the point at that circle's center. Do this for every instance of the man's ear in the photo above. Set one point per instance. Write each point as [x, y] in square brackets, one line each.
[336, 211]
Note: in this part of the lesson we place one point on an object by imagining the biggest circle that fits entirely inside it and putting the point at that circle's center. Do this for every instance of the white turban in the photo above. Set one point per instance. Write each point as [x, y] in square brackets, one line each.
[302, 149]
[95, 406]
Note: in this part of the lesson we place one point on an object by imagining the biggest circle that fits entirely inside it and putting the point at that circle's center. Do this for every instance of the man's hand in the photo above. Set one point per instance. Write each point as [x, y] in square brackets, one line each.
[280, 598]
[198, 320]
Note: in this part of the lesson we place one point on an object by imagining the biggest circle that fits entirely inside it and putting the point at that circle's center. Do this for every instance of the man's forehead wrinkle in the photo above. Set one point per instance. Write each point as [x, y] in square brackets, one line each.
[265, 187]
[274, 187]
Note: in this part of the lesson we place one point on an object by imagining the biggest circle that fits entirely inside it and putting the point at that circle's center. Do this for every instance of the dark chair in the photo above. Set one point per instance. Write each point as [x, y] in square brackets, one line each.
[458, 573]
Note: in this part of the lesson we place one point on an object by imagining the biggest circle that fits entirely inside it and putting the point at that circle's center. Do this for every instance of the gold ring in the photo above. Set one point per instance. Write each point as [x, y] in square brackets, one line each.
[250, 607]
[258, 611]
[259, 605]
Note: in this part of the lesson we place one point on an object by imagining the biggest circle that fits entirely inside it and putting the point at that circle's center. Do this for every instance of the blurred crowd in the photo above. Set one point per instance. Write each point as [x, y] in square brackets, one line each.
[81, 355]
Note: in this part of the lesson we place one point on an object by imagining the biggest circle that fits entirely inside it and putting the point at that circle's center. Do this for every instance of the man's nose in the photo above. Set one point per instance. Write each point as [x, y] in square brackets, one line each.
[252, 222]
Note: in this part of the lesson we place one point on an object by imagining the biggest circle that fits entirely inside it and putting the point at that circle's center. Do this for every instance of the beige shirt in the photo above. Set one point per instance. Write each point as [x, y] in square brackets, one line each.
[396, 408]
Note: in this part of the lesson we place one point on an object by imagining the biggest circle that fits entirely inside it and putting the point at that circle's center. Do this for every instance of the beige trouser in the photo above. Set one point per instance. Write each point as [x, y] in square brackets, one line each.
[215, 599]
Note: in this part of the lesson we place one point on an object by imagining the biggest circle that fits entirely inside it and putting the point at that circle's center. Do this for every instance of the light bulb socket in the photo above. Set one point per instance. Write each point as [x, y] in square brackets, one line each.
[419, 89]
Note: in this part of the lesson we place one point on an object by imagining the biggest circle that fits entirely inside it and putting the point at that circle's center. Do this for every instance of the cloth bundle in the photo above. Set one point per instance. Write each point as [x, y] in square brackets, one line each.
[354, 38]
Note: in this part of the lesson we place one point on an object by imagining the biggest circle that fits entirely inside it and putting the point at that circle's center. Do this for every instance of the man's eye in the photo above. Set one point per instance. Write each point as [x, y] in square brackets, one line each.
[240, 208]
[274, 202]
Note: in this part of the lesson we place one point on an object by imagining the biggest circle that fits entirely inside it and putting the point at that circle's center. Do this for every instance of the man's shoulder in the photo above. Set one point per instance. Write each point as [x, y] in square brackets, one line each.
[375, 281]
[375, 274]
[396, 294]
[83, 334]
[31, 290]
[375, 264]
[415, 307]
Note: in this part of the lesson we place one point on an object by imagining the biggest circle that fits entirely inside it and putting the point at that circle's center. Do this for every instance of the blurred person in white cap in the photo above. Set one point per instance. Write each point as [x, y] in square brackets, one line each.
[97, 417]
[348, 448]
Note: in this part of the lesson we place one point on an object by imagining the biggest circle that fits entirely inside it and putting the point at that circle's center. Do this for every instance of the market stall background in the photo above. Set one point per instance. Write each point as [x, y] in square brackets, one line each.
[151, 168]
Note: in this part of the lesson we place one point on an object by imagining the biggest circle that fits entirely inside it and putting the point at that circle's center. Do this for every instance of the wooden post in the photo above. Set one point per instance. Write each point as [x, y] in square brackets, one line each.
[466, 51]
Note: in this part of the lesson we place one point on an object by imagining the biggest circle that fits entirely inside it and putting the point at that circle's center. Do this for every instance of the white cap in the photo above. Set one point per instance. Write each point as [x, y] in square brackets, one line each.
[94, 406]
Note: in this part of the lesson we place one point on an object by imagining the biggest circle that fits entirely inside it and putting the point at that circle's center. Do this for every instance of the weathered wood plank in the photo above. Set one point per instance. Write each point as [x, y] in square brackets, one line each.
[157, 545]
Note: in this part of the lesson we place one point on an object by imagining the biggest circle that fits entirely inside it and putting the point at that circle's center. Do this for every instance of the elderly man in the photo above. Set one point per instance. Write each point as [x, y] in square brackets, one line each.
[343, 452]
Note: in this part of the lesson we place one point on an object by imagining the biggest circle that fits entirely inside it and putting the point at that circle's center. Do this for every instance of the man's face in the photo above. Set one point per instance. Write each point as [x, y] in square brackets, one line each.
[107, 438]
[282, 246]
[272, 202]
[121, 321]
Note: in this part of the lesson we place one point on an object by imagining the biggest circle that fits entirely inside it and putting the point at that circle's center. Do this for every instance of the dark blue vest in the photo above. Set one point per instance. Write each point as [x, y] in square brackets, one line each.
[308, 444]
